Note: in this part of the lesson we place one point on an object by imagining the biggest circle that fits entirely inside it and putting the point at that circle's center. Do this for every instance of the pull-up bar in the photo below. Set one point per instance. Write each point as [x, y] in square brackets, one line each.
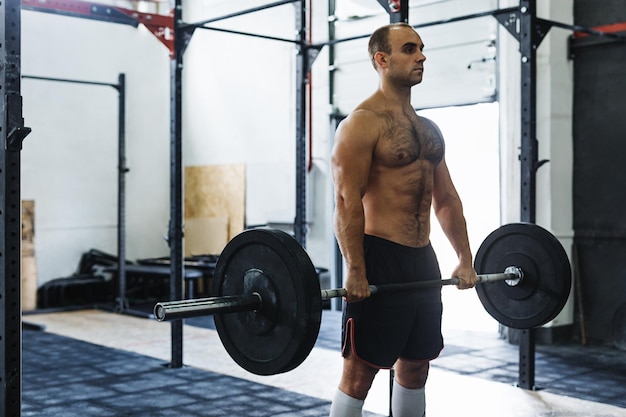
[255, 35]
[237, 14]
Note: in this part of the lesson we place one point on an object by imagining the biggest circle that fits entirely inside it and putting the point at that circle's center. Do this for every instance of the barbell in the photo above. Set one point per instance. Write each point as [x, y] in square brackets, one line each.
[268, 302]
[185, 309]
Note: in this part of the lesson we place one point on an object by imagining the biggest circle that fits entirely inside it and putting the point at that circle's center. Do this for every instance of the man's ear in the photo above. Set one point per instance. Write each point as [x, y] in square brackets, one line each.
[381, 59]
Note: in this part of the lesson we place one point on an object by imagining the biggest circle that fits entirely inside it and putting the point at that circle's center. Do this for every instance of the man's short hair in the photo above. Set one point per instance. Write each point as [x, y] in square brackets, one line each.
[379, 41]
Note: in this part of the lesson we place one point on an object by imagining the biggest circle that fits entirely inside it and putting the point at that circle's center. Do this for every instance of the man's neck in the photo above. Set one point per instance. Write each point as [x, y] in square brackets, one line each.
[398, 95]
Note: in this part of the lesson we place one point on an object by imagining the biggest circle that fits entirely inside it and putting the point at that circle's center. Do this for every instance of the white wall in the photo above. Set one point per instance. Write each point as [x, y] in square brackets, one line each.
[69, 161]
[239, 95]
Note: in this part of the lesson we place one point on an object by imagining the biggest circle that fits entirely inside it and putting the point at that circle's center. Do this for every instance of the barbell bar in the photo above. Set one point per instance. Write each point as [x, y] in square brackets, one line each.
[267, 306]
[185, 309]
[512, 275]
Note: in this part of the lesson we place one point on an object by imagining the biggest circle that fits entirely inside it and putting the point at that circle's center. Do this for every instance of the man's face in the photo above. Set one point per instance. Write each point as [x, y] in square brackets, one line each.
[406, 61]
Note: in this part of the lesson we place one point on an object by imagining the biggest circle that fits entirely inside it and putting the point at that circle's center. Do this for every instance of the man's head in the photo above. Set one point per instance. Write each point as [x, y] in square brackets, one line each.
[397, 46]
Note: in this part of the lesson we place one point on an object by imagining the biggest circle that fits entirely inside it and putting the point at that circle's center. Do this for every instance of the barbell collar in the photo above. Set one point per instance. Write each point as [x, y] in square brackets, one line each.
[519, 275]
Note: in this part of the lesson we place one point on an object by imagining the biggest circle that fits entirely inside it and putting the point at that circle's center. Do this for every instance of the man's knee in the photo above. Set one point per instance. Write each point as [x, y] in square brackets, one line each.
[357, 378]
[411, 374]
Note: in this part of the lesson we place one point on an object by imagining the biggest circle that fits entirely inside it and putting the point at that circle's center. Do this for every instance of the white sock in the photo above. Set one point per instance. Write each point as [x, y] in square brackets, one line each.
[407, 402]
[345, 406]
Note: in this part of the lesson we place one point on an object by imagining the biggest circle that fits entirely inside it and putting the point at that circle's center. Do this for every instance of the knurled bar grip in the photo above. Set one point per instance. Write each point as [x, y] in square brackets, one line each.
[375, 289]
[185, 309]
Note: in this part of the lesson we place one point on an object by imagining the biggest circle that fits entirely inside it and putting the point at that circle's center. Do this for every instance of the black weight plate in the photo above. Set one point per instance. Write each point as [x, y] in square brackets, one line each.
[281, 335]
[543, 291]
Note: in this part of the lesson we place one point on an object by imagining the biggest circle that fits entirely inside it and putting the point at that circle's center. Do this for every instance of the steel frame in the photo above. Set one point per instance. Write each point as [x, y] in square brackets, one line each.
[175, 235]
[13, 132]
[122, 169]
[183, 33]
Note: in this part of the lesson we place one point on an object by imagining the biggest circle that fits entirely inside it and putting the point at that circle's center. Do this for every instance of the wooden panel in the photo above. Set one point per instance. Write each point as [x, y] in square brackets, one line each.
[205, 235]
[216, 191]
[29, 266]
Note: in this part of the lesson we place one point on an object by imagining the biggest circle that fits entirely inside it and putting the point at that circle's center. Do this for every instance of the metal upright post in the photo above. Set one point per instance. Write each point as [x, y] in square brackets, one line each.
[122, 169]
[13, 132]
[529, 144]
[529, 40]
[302, 68]
[176, 184]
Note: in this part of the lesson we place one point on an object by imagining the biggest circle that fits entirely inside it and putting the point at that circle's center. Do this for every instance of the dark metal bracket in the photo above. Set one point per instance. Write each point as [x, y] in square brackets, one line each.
[312, 53]
[539, 164]
[186, 33]
[398, 10]
[16, 131]
[510, 21]
[542, 27]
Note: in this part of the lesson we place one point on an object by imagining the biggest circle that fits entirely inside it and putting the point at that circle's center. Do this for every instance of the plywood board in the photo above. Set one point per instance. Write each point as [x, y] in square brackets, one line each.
[205, 235]
[29, 266]
[216, 191]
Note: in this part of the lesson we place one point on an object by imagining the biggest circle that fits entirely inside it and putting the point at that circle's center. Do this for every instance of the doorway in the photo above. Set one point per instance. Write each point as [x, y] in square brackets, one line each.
[472, 154]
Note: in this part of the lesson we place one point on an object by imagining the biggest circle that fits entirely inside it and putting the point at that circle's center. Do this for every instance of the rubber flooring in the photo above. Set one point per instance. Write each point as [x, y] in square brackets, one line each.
[63, 376]
[593, 373]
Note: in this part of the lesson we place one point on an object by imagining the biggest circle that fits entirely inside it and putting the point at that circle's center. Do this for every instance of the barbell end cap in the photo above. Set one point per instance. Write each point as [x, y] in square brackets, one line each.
[517, 272]
[260, 305]
[159, 312]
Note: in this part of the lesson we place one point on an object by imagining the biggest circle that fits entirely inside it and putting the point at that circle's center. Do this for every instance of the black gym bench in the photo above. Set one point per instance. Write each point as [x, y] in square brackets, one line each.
[152, 280]
[157, 272]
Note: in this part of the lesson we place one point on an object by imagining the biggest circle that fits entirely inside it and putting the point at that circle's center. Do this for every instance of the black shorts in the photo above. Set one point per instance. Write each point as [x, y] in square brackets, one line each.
[403, 324]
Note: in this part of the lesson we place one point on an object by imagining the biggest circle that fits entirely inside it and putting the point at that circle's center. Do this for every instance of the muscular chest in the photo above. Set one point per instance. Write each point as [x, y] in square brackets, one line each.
[407, 139]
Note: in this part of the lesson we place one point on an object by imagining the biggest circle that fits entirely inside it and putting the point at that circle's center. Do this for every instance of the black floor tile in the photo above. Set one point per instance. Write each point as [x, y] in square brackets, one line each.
[63, 377]
[594, 373]
[66, 377]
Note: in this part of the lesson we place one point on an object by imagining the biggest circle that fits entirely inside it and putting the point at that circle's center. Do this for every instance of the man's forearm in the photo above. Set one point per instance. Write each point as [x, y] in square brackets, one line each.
[454, 226]
[349, 226]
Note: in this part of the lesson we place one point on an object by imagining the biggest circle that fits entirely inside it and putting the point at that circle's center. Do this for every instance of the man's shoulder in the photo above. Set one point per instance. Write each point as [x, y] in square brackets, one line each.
[365, 113]
[361, 126]
[364, 117]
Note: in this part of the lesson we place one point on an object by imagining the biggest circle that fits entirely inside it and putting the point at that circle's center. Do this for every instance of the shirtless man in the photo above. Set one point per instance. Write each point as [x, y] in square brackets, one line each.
[388, 168]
